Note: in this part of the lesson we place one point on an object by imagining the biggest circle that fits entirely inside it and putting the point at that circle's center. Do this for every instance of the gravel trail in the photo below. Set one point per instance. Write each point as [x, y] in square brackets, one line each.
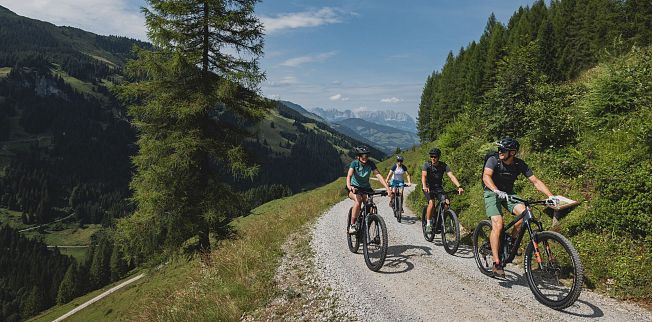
[421, 282]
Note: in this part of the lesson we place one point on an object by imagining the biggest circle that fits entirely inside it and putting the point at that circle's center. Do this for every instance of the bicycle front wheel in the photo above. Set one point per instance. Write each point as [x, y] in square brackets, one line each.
[482, 247]
[352, 239]
[450, 232]
[556, 275]
[398, 208]
[374, 242]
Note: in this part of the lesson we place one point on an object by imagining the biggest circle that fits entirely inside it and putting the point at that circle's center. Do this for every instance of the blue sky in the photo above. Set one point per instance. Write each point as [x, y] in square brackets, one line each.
[367, 54]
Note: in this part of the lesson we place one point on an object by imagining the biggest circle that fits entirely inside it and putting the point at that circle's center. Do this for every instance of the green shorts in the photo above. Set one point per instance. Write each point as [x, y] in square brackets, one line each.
[493, 206]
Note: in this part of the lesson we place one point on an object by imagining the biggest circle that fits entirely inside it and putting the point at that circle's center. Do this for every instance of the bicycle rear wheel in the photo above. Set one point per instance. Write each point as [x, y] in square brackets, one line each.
[450, 232]
[556, 280]
[429, 235]
[352, 240]
[374, 242]
[482, 247]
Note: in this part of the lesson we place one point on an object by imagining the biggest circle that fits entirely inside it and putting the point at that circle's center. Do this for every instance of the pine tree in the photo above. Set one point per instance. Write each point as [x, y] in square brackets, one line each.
[99, 274]
[67, 288]
[117, 264]
[188, 100]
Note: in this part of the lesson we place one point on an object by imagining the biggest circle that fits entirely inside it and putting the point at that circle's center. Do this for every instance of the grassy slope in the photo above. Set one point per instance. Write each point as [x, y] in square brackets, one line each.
[71, 234]
[615, 262]
[4, 71]
[236, 278]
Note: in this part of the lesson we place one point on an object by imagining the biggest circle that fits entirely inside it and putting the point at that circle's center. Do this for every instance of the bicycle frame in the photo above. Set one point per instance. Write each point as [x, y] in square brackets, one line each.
[439, 210]
[528, 219]
[362, 221]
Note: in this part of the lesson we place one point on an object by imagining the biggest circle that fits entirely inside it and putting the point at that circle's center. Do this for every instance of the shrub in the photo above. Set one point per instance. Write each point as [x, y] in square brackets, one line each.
[552, 120]
[626, 85]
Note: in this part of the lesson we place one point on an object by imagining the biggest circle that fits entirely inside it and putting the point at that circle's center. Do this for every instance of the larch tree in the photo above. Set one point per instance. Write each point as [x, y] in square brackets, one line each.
[189, 99]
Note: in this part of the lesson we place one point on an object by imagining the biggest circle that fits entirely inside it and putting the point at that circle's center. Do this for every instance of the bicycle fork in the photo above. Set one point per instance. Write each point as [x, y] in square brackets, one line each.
[534, 239]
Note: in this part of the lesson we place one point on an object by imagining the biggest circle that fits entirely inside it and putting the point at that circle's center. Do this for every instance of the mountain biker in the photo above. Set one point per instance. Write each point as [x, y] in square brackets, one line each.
[498, 179]
[396, 172]
[357, 179]
[432, 174]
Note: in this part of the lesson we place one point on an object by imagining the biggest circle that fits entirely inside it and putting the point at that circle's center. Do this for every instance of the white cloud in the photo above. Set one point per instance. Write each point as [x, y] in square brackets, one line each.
[285, 81]
[392, 99]
[338, 97]
[304, 19]
[298, 61]
[113, 17]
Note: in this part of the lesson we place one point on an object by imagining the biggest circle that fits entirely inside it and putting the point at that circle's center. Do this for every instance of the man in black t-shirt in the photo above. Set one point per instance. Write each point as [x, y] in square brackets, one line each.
[498, 178]
[432, 174]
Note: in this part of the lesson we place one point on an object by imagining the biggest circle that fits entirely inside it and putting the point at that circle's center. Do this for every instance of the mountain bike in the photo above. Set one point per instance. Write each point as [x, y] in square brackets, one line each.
[446, 223]
[398, 202]
[371, 232]
[553, 268]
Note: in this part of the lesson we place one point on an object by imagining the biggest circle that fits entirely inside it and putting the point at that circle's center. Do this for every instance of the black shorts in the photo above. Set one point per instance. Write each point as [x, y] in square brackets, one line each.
[359, 189]
[436, 195]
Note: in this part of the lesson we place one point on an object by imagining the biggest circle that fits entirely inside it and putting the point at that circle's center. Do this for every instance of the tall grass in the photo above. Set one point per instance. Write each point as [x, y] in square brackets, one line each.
[238, 274]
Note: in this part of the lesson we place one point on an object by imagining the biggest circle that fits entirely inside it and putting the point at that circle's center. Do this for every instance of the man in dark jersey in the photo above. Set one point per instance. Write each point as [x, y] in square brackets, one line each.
[498, 179]
[432, 174]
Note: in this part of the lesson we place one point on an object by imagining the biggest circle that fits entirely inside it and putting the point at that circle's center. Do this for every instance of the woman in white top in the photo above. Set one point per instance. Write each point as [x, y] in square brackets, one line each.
[398, 171]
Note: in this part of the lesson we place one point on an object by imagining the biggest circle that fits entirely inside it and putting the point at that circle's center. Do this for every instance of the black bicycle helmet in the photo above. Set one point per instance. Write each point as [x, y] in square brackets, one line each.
[435, 152]
[399, 158]
[509, 144]
[361, 150]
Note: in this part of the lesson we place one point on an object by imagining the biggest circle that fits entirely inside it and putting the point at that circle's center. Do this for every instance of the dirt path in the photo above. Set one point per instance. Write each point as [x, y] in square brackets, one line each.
[99, 297]
[421, 282]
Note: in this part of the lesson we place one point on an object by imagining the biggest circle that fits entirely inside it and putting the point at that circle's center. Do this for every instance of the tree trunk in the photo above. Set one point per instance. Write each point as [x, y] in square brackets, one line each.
[205, 37]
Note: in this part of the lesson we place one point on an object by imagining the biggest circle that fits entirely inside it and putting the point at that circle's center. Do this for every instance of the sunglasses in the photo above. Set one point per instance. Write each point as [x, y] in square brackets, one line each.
[434, 157]
[364, 156]
[503, 150]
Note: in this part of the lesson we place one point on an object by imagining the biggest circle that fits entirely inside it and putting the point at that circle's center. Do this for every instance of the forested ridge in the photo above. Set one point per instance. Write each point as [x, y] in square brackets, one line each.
[572, 81]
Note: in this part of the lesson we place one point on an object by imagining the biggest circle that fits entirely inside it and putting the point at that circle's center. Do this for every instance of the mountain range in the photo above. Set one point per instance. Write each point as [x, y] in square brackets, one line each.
[398, 120]
[384, 130]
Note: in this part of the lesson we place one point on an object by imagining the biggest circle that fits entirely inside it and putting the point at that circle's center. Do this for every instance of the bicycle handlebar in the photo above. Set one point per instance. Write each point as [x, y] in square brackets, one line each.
[531, 202]
[454, 191]
[400, 185]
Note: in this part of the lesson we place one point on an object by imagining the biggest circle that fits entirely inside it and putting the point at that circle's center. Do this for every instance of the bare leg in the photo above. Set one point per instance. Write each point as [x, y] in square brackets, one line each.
[494, 239]
[358, 199]
[431, 206]
[518, 210]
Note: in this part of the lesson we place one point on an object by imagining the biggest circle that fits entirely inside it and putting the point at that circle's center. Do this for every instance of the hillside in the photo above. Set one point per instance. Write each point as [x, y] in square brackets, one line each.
[297, 152]
[588, 137]
[65, 142]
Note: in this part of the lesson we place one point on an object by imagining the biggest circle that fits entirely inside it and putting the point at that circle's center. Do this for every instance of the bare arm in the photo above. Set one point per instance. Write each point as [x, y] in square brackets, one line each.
[408, 176]
[382, 180]
[348, 179]
[389, 174]
[540, 185]
[455, 182]
[423, 180]
[486, 178]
